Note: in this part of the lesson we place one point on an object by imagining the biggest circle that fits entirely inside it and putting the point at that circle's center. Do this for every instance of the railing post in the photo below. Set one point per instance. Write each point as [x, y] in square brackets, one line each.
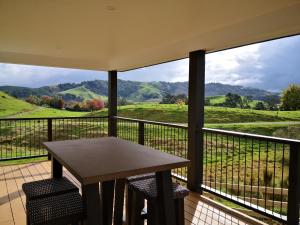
[141, 133]
[49, 133]
[294, 185]
[196, 119]
[112, 103]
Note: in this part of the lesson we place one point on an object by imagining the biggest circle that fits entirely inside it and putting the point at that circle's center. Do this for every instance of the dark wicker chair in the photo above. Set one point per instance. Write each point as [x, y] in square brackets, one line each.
[55, 210]
[139, 190]
[48, 188]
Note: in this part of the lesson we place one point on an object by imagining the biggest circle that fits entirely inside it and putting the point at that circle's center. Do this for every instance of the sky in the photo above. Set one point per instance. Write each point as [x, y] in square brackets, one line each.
[271, 65]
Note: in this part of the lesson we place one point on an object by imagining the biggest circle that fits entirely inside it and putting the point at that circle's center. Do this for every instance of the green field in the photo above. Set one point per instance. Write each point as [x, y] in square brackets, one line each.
[49, 112]
[176, 114]
[11, 106]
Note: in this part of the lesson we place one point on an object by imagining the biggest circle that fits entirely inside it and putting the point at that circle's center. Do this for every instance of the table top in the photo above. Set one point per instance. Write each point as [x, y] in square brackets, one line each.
[108, 158]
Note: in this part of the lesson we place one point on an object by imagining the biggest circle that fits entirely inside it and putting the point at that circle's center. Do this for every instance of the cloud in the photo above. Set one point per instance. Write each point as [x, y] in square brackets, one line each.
[226, 66]
[271, 65]
[37, 76]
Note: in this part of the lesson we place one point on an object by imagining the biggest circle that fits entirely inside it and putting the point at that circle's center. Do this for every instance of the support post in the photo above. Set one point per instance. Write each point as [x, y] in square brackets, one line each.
[49, 123]
[112, 103]
[294, 185]
[196, 98]
[141, 133]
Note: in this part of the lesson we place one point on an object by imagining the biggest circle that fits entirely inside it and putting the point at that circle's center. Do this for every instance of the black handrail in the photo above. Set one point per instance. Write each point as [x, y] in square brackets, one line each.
[255, 136]
[153, 122]
[45, 118]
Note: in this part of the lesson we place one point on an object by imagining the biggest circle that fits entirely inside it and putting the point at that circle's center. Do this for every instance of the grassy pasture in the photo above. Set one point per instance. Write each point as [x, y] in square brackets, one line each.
[176, 114]
[10, 105]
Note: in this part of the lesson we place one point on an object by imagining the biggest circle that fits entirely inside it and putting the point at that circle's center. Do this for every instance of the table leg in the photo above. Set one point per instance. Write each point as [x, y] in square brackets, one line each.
[57, 169]
[107, 196]
[119, 201]
[91, 204]
[165, 198]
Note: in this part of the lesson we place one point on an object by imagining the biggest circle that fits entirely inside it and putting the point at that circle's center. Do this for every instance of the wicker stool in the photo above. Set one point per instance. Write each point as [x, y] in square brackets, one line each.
[48, 188]
[60, 209]
[130, 196]
[140, 190]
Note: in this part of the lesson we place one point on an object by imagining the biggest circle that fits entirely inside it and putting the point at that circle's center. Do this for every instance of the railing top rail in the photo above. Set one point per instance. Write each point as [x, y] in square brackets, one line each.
[254, 136]
[152, 122]
[45, 118]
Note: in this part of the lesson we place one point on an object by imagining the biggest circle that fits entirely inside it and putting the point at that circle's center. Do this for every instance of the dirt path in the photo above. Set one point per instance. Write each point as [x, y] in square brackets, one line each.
[24, 113]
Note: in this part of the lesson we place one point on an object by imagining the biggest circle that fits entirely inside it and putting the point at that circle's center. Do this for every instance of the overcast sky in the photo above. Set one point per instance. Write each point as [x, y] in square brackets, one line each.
[271, 65]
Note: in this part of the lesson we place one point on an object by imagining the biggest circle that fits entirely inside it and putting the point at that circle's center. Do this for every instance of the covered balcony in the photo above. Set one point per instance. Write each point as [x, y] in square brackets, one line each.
[259, 173]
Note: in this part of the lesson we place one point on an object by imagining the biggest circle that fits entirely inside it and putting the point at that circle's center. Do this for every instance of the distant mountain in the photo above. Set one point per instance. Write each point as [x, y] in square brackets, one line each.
[131, 90]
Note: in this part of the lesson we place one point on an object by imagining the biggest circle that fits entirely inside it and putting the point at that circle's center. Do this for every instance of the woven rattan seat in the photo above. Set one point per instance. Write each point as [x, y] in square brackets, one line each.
[48, 187]
[140, 177]
[61, 209]
[147, 187]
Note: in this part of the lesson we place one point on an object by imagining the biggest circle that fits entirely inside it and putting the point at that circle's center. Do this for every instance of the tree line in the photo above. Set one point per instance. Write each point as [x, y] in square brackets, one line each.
[58, 103]
[289, 100]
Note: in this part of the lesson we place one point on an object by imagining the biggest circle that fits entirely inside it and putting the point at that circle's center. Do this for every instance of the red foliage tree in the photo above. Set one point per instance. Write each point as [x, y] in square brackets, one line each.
[95, 104]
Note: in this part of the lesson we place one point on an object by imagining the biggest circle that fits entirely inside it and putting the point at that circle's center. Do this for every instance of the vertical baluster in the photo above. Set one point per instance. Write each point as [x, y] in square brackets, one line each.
[282, 173]
[245, 169]
[239, 165]
[258, 172]
[274, 172]
[232, 166]
[206, 162]
[226, 163]
[221, 152]
[267, 158]
[216, 161]
[211, 159]
[251, 181]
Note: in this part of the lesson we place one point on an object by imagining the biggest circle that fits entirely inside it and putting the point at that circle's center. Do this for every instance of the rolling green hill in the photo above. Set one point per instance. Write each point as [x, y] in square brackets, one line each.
[11, 106]
[131, 90]
[81, 93]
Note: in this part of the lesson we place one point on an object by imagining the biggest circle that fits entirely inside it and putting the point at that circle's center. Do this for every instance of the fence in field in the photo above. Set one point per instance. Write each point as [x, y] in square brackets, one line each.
[257, 172]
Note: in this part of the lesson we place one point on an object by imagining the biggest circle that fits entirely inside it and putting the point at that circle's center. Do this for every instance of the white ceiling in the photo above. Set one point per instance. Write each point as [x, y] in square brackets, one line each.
[126, 34]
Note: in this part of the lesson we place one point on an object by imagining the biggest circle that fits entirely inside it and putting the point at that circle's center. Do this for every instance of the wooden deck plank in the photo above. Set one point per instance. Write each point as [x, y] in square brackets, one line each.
[12, 198]
[5, 207]
[19, 179]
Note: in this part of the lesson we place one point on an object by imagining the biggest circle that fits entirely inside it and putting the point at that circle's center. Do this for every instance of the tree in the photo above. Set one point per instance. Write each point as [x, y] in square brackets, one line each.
[94, 104]
[259, 106]
[207, 102]
[122, 102]
[272, 101]
[172, 99]
[246, 100]
[233, 100]
[32, 99]
[57, 103]
[46, 100]
[180, 103]
[291, 97]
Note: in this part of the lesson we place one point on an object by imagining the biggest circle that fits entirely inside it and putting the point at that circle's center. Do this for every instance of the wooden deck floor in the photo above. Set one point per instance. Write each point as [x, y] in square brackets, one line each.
[12, 199]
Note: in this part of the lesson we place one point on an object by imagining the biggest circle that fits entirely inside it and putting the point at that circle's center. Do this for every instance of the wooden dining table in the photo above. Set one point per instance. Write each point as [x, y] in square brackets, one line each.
[99, 163]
